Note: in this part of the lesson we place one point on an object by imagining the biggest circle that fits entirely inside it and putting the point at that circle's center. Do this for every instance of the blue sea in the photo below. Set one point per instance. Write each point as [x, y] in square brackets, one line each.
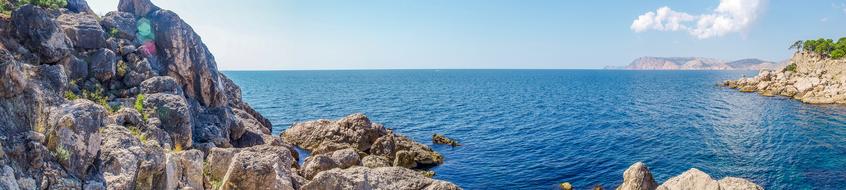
[533, 129]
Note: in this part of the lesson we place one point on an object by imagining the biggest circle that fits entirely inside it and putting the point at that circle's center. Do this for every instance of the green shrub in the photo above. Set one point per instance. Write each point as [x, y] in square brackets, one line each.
[62, 153]
[791, 67]
[113, 32]
[135, 132]
[139, 106]
[50, 4]
[70, 96]
[121, 68]
[838, 53]
[98, 97]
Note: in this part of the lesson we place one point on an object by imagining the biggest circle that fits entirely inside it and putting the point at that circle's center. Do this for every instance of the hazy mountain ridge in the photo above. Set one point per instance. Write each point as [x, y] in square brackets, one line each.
[697, 63]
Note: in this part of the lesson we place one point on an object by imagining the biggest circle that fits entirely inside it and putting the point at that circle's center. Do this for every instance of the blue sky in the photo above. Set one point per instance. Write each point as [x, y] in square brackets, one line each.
[496, 34]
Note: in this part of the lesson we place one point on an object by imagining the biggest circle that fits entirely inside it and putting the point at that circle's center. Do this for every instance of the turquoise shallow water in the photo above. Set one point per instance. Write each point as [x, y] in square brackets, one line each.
[532, 129]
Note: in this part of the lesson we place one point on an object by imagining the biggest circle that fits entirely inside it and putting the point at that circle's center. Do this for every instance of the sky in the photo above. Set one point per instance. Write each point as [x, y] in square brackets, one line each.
[495, 34]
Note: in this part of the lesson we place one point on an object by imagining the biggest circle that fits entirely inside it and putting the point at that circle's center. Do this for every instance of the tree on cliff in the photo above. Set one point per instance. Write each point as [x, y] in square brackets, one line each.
[824, 47]
[796, 45]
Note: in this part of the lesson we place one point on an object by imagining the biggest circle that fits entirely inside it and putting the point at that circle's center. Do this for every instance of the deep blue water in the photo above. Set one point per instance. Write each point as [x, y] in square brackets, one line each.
[532, 129]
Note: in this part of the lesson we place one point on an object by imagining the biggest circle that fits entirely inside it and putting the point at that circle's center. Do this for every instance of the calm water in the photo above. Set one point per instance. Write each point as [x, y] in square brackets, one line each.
[532, 129]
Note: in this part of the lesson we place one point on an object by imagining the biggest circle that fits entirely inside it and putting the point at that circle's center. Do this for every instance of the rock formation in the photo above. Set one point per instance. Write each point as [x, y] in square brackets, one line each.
[638, 177]
[809, 78]
[696, 63]
[133, 100]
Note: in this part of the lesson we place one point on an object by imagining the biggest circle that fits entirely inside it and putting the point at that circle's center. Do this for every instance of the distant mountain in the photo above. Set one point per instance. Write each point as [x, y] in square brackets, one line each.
[697, 63]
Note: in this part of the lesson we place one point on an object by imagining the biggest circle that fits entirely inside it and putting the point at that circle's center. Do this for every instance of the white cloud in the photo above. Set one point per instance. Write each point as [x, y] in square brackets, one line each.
[730, 16]
[663, 19]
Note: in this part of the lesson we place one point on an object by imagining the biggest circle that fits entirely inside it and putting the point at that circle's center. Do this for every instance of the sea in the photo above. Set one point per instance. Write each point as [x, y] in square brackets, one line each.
[534, 129]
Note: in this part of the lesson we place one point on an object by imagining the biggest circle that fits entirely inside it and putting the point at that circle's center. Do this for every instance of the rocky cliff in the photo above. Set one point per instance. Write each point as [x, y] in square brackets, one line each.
[810, 78]
[134, 100]
[696, 63]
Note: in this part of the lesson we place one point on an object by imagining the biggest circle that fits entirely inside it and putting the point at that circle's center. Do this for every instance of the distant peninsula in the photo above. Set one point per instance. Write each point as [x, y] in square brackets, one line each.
[697, 63]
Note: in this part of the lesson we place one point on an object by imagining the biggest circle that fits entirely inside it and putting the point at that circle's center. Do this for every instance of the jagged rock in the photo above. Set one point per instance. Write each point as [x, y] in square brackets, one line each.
[637, 177]
[140, 8]
[102, 64]
[260, 167]
[75, 130]
[372, 161]
[83, 30]
[405, 152]
[355, 130]
[127, 117]
[814, 80]
[220, 159]
[441, 139]
[164, 84]
[339, 159]
[184, 170]
[375, 178]
[7, 178]
[12, 79]
[38, 32]
[233, 94]
[77, 69]
[187, 59]
[79, 6]
[120, 24]
[172, 111]
[128, 163]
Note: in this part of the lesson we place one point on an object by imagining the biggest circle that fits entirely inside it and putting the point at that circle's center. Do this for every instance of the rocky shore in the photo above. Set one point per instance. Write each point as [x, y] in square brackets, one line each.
[810, 78]
[638, 177]
[134, 100]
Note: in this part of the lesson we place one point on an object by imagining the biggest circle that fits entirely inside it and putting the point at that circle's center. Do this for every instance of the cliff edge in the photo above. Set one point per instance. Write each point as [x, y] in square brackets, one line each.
[134, 100]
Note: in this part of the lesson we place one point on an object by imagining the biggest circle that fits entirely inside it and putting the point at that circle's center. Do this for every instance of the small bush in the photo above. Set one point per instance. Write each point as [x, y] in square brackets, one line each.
[70, 96]
[791, 68]
[121, 68]
[114, 32]
[62, 153]
[98, 97]
[50, 4]
[177, 148]
[135, 132]
[139, 106]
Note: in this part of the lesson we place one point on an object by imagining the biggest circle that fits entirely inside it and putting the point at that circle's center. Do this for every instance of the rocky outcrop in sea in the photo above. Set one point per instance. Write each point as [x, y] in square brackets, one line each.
[638, 177]
[809, 78]
[134, 100]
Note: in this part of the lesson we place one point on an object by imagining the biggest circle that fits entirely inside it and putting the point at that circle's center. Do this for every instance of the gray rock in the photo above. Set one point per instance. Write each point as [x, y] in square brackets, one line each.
[12, 79]
[140, 8]
[172, 111]
[339, 159]
[7, 178]
[260, 167]
[637, 177]
[128, 163]
[694, 179]
[83, 30]
[187, 59]
[127, 117]
[77, 69]
[184, 170]
[40, 34]
[120, 24]
[75, 131]
[405, 152]
[372, 161]
[164, 84]
[375, 178]
[79, 6]
[102, 64]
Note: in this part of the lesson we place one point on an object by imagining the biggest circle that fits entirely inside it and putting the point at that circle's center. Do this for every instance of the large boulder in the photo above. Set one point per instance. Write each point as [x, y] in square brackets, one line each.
[695, 179]
[77, 69]
[120, 24]
[184, 170]
[375, 178]
[129, 163]
[172, 111]
[164, 84]
[637, 177]
[37, 31]
[83, 30]
[140, 8]
[187, 59]
[74, 135]
[260, 167]
[405, 152]
[355, 130]
[102, 64]
[79, 6]
[339, 159]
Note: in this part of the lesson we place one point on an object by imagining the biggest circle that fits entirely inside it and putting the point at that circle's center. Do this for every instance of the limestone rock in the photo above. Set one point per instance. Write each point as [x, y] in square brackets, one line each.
[375, 178]
[79, 6]
[77, 69]
[172, 111]
[733, 183]
[163, 84]
[372, 161]
[102, 64]
[187, 59]
[184, 170]
[140, 8]
[127, 162]
[441, 139]
[37, 31]
[83, 30]
[260, 167]
[338, 159]
[120, 24]
[75, 132]
[355, 130]
[694, 179]
[12, 79]
[637, 177]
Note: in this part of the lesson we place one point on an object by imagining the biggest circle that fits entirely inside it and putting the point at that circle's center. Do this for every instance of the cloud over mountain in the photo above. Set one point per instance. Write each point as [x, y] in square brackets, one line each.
[729, 16]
